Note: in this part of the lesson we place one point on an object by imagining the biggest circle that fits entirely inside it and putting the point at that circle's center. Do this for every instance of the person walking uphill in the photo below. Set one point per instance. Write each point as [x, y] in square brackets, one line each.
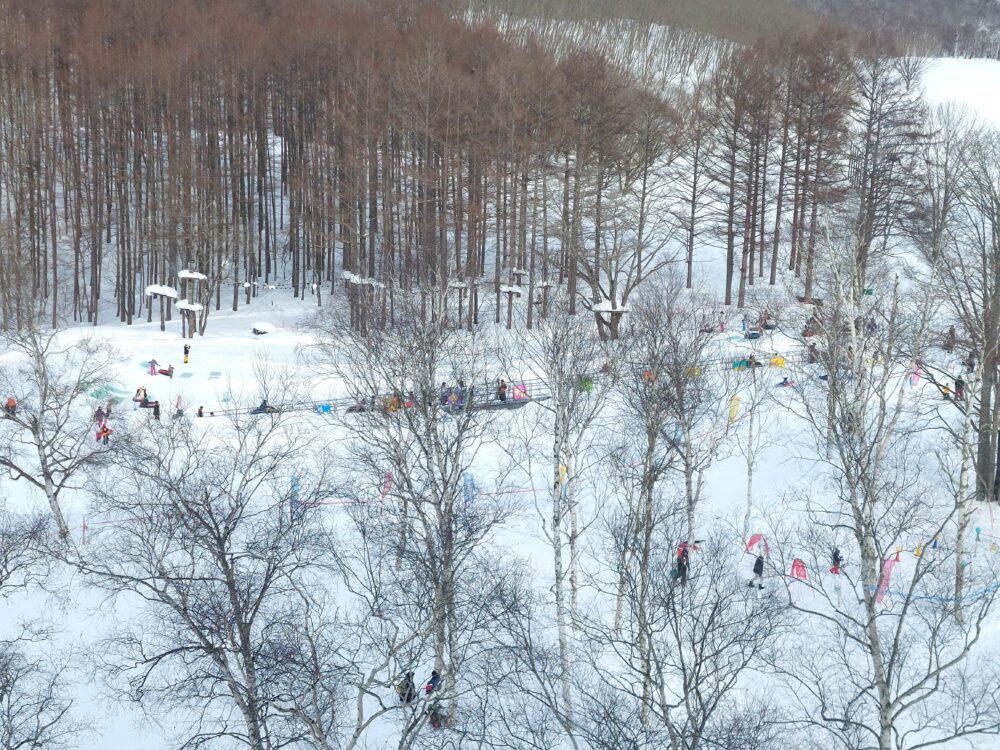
[758, 573]
[187, 351]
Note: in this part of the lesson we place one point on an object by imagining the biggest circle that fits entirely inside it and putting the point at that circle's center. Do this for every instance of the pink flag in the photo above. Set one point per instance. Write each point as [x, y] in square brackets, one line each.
[757, 539]
[883, 585]
[799, 570]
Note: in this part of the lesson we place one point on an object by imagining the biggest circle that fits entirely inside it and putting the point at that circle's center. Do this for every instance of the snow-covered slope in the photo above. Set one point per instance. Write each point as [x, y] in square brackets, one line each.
[974, 84]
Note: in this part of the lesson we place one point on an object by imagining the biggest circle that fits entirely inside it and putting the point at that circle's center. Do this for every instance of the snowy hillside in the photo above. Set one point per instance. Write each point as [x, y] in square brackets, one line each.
[426, 381]
[974, 84]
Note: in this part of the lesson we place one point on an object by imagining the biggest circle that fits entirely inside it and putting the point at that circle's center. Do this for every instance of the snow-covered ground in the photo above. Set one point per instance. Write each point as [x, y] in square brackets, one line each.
[221, 375]
[974, 84]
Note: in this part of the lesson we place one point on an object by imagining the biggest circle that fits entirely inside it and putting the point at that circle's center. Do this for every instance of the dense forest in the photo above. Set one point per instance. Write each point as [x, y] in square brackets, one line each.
[349, 151]
[963, 28]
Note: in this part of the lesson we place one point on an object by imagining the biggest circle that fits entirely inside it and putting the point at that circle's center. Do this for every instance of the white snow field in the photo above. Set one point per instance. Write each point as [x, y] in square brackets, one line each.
[221, 376]
[974, 84]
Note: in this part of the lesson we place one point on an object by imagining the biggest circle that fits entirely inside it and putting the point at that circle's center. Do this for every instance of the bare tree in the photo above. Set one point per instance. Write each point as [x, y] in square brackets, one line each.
[35, 702]
[891, 656]
[566, 352]
[424, 411]
[703, 636]
[34, 698]
[48, 441]
[212, 542]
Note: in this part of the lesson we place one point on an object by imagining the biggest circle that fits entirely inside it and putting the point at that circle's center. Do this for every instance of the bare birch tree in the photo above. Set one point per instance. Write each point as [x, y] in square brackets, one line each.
[48, 441]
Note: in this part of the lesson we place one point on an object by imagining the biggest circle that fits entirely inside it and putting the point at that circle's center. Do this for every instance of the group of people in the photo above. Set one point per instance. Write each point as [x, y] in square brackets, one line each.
[143, 401]
[958, 392]
[453, 397]
[155, 369]
[683, 562]
[101, 416]
[406, 689]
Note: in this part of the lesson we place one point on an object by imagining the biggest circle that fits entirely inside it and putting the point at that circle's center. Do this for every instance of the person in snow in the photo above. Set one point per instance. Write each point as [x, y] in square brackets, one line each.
[107, 408]
[838, 561]
[434, 683]
[758, 573]
[682, 564]
[950, 340]
[406, 689]
[970, 361]
[502, 390]
[10, 407]
[435, 717]
[813, 353]
[264, 408]
[140, 398]
[201, 411]
[168, 371]
[786, 383]
[99, 415]
[152, 366]
[104, 433]
[187, 351]
[156, 410]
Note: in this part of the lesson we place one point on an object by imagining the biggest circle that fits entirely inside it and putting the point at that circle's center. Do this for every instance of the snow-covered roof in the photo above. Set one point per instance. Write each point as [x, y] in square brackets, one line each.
[160, 289]
[185, 274]
[353, 278]
[607, 305]
[192, 306]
